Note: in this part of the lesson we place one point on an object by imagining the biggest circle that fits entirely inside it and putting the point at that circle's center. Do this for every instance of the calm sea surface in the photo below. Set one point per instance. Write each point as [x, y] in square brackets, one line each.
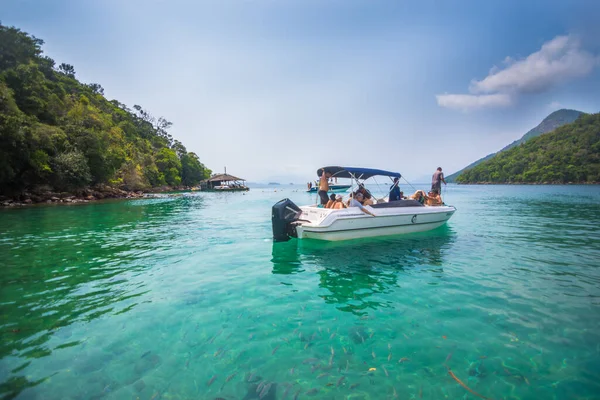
[188, 298]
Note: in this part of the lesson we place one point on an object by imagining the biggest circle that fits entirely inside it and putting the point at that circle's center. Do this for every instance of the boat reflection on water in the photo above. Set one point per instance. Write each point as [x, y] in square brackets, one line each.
[354, 271]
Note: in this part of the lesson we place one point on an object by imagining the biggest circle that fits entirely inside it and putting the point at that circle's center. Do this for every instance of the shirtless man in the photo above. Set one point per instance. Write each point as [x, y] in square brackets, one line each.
[434, 199]
[324, 186]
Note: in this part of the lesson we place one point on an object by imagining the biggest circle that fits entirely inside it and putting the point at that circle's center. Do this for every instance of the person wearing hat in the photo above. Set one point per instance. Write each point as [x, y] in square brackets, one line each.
[356, 201]
[339, 204]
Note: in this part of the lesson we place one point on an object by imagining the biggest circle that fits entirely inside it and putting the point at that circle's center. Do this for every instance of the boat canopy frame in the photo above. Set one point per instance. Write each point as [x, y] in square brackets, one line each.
[357, 174]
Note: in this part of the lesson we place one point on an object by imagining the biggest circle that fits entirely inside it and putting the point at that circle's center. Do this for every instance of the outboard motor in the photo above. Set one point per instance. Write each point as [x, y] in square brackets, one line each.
[283, 214]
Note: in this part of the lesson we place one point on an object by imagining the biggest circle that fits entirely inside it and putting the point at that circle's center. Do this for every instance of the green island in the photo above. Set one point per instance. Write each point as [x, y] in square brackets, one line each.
[60, 136]
[555, 120]
[569, 154]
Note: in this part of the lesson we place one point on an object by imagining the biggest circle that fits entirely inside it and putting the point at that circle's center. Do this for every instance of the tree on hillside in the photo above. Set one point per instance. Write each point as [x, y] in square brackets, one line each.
[67, 69]
[192, 170]
[57, 131]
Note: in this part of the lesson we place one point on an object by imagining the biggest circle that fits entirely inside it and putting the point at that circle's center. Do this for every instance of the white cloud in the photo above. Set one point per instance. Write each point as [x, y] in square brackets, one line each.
[559, 60]
[466, 102]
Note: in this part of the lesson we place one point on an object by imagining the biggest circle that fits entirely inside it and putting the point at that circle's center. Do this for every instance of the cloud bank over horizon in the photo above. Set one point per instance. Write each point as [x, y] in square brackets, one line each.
[558, 61]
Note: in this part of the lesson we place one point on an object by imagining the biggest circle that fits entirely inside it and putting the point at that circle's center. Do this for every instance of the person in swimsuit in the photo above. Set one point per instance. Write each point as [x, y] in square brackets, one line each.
[339, 204]
[434, 199]
[419, 196]
[331, 201]
[430, 199]
[324, 187]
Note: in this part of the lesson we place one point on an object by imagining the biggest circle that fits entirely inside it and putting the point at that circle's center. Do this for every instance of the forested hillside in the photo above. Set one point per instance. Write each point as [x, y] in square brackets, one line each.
[551, 122]
[569, 154]
[60, 134]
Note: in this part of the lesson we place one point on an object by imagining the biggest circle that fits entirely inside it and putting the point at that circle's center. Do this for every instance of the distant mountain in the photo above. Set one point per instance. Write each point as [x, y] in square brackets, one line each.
[550, 123]
[569, 154]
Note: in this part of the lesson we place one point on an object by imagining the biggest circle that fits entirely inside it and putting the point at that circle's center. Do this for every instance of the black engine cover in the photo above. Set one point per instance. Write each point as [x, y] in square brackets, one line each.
[283, 214]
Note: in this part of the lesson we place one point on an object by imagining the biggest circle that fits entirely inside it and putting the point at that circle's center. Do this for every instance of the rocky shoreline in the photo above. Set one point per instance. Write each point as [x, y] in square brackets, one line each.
[79, 196]
[44, 195]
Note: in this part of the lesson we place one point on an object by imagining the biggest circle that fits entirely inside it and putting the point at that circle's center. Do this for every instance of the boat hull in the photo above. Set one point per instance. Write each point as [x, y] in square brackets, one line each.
[388, 222]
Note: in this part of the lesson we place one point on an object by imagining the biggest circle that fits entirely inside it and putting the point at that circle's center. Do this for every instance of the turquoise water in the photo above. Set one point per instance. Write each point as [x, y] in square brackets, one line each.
[188, 298]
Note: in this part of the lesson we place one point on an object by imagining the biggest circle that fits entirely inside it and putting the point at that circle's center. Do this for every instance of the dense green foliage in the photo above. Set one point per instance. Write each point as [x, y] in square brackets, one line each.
[56, 131]
[569, 154]
[551, 122]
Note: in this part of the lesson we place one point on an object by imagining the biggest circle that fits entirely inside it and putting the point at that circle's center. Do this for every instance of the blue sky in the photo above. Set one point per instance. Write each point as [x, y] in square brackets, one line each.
[275, 89]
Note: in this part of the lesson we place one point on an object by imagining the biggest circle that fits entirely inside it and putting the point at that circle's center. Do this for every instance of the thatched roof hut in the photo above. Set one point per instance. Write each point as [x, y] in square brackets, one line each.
[224, 182]
[224, 178]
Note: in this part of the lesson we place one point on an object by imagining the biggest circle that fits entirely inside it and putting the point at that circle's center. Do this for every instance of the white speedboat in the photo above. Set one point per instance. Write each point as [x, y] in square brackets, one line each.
[391, 218]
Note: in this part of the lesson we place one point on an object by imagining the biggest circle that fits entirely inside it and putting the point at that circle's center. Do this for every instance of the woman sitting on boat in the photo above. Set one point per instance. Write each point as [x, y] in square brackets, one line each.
[331, 201]
[338, 204]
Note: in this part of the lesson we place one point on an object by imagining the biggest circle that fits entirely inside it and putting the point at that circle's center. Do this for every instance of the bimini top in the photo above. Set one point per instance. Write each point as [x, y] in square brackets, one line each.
[357, 173]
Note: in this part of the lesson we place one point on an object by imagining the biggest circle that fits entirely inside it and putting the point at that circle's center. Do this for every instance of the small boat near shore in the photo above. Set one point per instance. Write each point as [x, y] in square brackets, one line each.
[391, 218]
[333, 188]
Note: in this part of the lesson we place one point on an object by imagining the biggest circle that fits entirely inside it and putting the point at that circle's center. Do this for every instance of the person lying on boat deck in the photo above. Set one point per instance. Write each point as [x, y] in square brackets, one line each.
[431, 199]
[419, 196]
[356, 202]
[395, 193]
[367, 198]
[324, 186]
[331, 201]
[339, 204]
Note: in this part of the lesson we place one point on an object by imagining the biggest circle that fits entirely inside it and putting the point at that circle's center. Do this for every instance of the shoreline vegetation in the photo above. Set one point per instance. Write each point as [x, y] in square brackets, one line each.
[61, 140]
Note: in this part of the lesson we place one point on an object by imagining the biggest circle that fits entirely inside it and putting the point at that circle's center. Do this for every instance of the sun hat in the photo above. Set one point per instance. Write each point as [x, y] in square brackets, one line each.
[338, 197]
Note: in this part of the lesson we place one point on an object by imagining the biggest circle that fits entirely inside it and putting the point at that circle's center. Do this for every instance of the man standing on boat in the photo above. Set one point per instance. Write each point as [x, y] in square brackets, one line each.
[395, 193]
[324, 187]
[436, 181]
